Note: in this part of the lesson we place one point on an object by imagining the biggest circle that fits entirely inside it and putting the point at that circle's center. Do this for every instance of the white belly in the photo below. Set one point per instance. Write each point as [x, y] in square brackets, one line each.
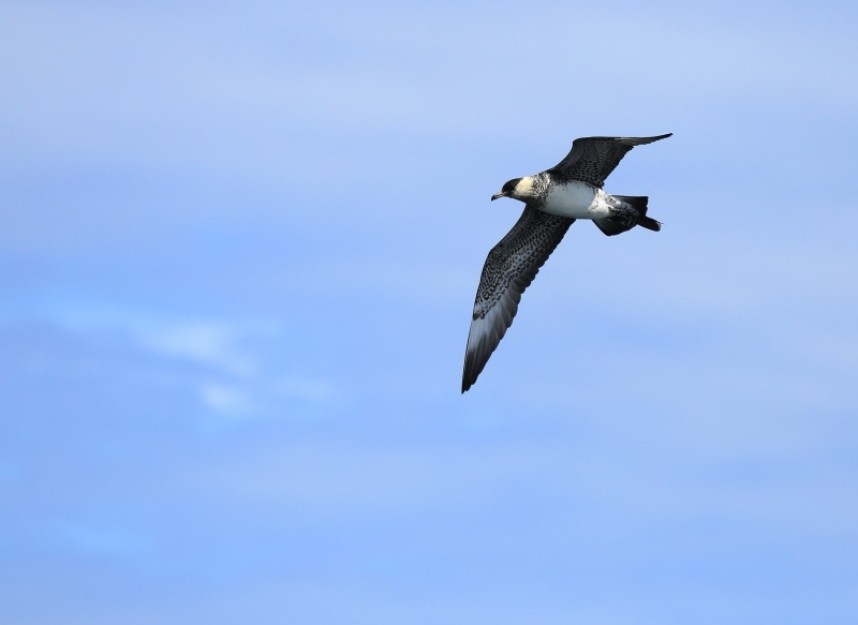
[575, 199]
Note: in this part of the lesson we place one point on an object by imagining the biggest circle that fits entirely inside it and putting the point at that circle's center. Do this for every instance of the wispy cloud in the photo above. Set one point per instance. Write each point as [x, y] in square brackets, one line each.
[227, 399]
[226, 363]
[205, 342]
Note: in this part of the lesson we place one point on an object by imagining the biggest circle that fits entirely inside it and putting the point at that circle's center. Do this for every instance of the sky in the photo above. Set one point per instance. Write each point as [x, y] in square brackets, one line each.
[238, 256]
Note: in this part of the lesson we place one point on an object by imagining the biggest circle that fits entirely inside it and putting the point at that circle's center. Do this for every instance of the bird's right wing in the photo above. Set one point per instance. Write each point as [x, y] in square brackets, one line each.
[509, 270]
[592, 159]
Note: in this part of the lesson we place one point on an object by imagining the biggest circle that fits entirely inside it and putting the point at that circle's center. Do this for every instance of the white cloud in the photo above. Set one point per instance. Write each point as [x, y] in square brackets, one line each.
[227, 400]
[205, 342]
[211, 343]
[224, 362]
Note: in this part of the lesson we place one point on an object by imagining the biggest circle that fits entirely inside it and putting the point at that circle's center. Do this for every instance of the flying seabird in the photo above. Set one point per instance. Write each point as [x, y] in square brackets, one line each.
[553, 200]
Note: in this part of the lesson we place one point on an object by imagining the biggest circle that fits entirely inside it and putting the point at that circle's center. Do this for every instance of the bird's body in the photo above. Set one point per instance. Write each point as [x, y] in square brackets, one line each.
[553, 199]
[575, 199]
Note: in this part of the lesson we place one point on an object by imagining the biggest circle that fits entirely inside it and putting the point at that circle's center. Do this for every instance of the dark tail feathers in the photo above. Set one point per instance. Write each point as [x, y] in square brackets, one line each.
[639, 203]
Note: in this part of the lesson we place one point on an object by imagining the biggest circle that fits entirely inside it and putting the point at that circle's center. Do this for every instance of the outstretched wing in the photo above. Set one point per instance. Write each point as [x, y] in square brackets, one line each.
[592, 159]
[509, 270]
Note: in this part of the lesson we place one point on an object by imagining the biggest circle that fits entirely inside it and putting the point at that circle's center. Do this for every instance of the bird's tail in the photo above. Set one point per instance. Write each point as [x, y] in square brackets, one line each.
[631, 213]
[639, 203]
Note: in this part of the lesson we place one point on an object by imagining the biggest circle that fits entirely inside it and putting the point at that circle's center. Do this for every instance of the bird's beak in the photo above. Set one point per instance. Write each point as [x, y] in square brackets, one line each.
[497, 195]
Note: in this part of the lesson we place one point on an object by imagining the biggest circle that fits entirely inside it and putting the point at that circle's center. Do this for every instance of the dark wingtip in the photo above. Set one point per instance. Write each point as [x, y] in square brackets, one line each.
[658, 138]
[468, 378]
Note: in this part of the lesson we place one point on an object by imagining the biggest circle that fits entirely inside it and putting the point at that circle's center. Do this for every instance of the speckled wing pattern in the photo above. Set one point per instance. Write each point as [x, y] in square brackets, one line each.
[510, 268]
[592, 159]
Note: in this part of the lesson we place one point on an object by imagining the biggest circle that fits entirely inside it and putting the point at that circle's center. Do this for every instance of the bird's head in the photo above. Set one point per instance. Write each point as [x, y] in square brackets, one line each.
[517, 188]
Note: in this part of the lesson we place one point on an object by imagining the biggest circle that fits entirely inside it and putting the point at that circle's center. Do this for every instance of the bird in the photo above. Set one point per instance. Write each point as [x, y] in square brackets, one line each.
[553, 200]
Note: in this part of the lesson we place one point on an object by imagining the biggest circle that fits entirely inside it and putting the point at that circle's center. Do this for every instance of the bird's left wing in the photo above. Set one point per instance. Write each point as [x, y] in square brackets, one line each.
[592, 159]
[509, 270]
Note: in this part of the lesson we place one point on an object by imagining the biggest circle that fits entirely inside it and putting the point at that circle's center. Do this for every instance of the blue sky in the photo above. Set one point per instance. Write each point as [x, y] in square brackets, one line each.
[239, 251]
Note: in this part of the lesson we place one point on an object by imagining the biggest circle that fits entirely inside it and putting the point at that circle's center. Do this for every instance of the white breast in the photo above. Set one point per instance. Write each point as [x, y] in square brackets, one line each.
[576, 199]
